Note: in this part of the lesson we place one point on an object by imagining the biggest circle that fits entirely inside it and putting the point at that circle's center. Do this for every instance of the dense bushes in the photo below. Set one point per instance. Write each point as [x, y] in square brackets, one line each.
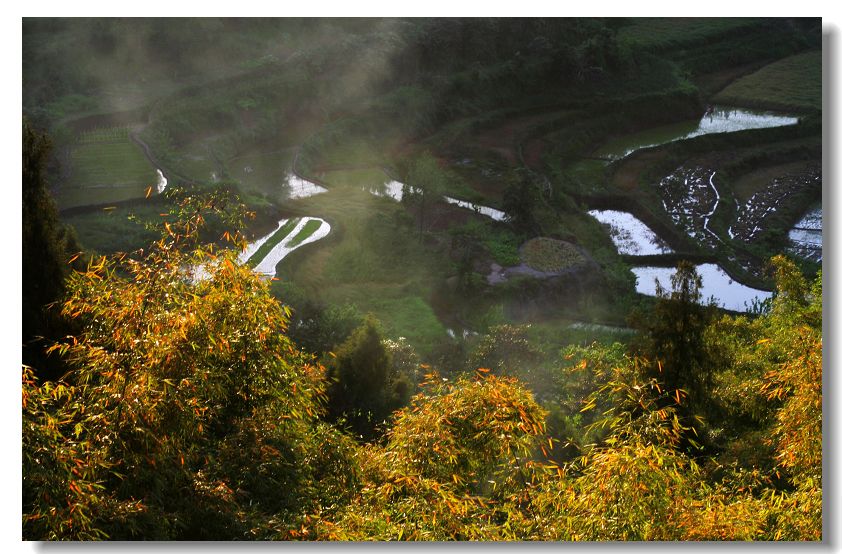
[189, 414]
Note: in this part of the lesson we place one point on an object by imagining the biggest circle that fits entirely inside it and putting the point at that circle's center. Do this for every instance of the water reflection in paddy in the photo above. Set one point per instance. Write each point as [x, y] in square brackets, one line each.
[297, 187]
[717, 120]
[715, 283]
[806, 235]
[629, 234]
[162, 182]
[496, 215]
[395, 189]
[266, 266]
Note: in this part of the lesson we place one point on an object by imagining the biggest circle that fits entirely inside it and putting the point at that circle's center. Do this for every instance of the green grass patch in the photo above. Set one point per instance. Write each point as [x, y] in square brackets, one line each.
[554, 333]
[358, 178]
[273, 241]
[748, 184]
[546, 254]
[793, 83]
[109, 231]
[196, 161]
[673, 32]
[411, 317]
[306, 232]
[108, 157]
[657, 135]
[502, 244]
[503, 247]
[265, 172]
[346, 150]
[73, 197]
[372, 259]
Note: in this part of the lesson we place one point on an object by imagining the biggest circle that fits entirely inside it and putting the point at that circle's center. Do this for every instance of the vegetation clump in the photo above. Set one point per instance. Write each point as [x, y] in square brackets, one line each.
[550, 255]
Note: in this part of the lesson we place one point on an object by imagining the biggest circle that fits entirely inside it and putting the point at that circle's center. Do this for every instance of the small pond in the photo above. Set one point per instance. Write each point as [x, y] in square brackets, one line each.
[629, 234]
[715, 282]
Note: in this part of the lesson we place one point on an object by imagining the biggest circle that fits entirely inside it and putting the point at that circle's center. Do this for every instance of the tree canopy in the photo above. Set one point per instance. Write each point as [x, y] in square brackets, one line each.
[189, 413]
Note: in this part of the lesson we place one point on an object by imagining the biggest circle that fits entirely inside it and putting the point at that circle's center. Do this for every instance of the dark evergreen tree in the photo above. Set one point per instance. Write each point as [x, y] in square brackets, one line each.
[520, 200]
[46, 249]
[364, 387]
[672, 339]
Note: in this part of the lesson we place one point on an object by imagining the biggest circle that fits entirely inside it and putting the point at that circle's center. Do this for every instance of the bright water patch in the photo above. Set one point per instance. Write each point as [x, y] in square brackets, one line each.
[301, 188]
[629, 234]
[811, 220]
[690, 197]
[392, 189]
[395, 190]
[162, 181]
[729, 120]
[806, 235]
[496, 215]
[717, 120]
[715, 283]
[283, 248]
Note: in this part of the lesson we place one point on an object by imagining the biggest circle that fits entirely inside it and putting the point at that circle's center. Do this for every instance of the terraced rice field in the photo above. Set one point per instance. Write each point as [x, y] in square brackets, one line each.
[690, 197]
[106, 166]
[806, 236]
[264, 254]
[716, 284]
[752, 214]
[630, 235]
[793, 83]
[718, 119]
[108, 157]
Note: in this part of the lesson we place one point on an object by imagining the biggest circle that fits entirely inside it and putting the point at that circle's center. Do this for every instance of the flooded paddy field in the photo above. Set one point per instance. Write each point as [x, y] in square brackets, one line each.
[806, 235]
[290, 235]
[629, 234]
[717, 119]
[716, 284]
[752, 215]
[690, 198]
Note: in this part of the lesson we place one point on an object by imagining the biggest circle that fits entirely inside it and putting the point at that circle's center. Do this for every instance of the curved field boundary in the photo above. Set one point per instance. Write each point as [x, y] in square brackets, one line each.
[306, 232]
[293, 234]
[260, 248]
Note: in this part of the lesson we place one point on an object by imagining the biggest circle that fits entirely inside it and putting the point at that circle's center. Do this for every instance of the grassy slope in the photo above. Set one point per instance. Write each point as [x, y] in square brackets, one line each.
[793, 83]
[119, 163]
[371, 261]
[264, 172]
[359, 178]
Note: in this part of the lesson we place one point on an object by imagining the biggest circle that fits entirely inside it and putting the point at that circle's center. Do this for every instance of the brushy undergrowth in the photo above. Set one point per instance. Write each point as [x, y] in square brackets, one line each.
[546, 254]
